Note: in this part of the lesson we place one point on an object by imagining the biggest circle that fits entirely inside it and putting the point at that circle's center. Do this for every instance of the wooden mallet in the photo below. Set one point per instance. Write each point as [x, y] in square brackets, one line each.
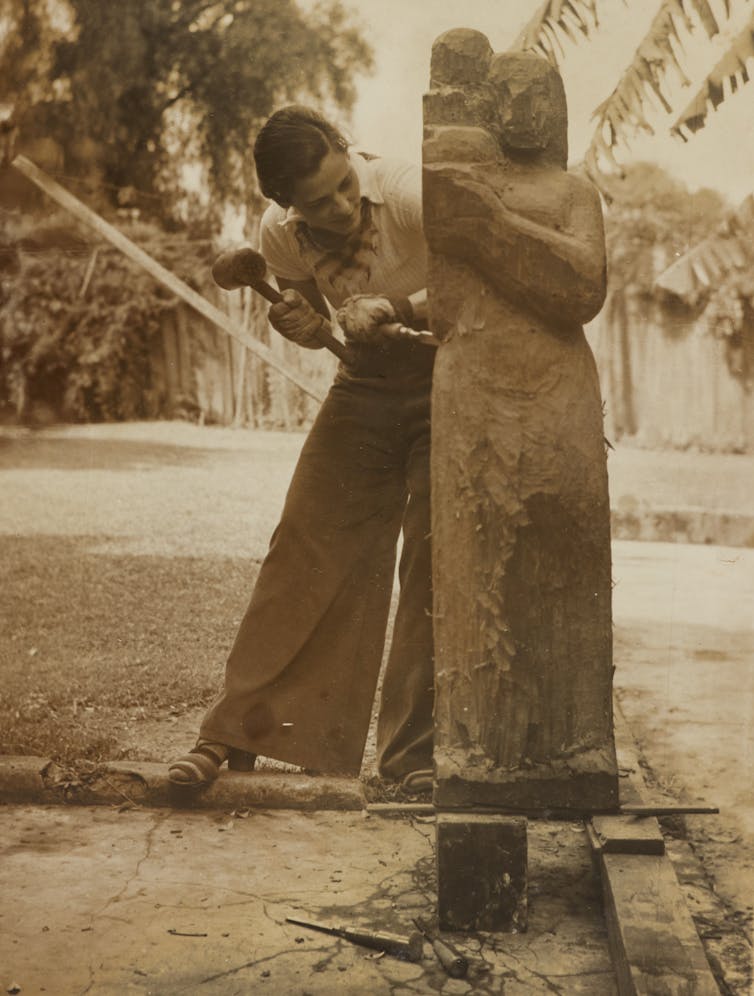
[247, 268]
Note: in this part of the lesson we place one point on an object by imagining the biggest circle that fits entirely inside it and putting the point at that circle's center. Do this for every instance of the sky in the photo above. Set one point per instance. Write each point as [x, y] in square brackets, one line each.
[388, 119]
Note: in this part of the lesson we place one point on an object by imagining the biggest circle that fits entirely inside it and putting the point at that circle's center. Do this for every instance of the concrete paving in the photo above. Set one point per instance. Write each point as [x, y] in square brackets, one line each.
[101, 901]
[684, 625]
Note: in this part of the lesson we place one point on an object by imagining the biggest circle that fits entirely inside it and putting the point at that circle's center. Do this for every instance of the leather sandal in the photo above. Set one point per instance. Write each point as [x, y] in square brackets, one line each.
[199, 767]
[417, 782]
[202, 764]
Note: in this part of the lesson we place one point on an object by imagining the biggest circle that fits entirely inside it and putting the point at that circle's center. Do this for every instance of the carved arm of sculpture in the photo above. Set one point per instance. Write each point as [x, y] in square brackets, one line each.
[559, 274]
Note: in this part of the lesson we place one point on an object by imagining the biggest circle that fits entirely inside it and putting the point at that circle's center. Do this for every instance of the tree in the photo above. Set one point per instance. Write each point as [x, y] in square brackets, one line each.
[652, 223]
[654, 67]
[141, 88]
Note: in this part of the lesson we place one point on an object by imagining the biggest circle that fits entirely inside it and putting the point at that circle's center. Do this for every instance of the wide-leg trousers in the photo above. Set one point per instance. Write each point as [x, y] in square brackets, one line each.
[301, 676]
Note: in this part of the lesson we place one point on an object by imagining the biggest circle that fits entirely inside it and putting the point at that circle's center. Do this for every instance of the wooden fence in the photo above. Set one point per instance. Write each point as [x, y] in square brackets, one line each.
[199, 372]
[195, 370]
[670, 380]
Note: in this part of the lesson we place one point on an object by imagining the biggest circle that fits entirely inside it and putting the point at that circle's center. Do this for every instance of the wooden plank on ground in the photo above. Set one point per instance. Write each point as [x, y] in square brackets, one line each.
[614, 834]
[628, 834]
[174, 284]
[654, 945]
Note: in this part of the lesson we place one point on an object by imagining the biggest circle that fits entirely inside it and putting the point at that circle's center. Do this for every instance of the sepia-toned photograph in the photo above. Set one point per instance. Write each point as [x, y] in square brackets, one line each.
[377, 497]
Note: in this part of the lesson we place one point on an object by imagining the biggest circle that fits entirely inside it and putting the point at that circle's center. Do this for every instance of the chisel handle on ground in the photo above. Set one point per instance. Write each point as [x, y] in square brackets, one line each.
[454, 963]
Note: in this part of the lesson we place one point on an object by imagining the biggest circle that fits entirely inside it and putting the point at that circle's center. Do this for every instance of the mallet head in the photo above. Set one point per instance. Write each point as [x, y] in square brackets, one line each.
[239, 268]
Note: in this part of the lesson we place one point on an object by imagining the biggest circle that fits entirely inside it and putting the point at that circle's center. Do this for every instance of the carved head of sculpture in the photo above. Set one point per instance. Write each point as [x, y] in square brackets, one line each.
[459, 57]
[533, 118]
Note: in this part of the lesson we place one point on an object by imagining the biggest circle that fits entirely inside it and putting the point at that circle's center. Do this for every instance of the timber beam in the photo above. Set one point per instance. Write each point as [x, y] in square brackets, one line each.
[654, 944]
[159, 273]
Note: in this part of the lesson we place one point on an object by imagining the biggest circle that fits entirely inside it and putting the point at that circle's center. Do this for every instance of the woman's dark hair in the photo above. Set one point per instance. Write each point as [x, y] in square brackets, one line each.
[291, 145]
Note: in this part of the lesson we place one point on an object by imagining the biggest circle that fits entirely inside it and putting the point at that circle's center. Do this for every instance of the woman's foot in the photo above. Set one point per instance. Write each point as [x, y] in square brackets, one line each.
[200, 766]
[417, 782]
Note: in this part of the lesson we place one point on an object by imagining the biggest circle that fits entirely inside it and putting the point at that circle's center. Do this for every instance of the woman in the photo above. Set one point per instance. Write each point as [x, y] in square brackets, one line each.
[343, 228]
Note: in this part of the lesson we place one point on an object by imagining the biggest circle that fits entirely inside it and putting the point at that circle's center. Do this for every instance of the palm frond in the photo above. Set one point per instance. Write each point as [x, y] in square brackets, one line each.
[658, 62]
[552, 23]
[726, 77]
[704, 266]
[658, 57]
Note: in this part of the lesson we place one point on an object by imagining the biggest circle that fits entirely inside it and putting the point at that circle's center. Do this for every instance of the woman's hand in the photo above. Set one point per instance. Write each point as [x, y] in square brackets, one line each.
[361, 316]
[296, 319]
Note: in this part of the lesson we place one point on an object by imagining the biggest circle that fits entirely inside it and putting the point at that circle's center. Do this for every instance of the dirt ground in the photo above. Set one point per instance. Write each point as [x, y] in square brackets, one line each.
[161, 903]
[187, 495]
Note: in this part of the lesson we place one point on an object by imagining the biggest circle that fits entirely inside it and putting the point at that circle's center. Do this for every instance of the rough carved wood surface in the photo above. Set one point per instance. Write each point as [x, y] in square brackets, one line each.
[521, 533]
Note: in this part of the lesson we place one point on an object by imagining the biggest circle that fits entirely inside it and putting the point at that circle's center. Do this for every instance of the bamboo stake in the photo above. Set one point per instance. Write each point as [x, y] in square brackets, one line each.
[89, 273]
[240, 382]
[174, 284]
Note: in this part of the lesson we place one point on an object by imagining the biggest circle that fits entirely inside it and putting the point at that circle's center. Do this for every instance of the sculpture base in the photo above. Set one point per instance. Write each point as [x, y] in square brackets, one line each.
[574, 786]
[481, 872]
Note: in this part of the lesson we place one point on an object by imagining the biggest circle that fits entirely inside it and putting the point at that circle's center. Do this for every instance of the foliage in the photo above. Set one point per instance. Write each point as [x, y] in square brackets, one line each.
[657, 64]
[76, 327]
[135, 91]
[554, 20]
[685, 249]
[716, 277]
[652, 220]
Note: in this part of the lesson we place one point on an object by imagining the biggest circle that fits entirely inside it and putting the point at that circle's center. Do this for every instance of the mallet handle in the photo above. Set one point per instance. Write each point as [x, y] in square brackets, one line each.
[324, 334]
[246, 268]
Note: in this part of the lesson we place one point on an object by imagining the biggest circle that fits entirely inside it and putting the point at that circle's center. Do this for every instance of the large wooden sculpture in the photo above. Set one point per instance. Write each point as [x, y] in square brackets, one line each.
[521, 521]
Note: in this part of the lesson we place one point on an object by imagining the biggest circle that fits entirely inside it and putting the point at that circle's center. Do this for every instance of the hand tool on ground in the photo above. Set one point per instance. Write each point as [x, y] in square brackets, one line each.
[409, 948]
[454, 963]
[247, 268]
[670, 810]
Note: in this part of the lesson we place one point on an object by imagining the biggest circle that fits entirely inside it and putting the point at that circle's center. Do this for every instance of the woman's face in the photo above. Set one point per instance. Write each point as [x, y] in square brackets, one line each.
[330, 199]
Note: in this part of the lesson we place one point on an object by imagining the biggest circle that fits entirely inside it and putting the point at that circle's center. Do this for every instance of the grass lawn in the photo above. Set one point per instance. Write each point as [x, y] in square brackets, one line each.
[95, 644]
[127, 556]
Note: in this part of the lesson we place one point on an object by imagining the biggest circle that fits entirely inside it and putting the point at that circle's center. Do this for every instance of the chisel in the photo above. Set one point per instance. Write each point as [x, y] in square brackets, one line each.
[409, 948]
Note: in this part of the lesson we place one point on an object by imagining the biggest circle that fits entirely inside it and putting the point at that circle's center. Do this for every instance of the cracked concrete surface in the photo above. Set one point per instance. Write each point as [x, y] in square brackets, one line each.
[97, 901]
